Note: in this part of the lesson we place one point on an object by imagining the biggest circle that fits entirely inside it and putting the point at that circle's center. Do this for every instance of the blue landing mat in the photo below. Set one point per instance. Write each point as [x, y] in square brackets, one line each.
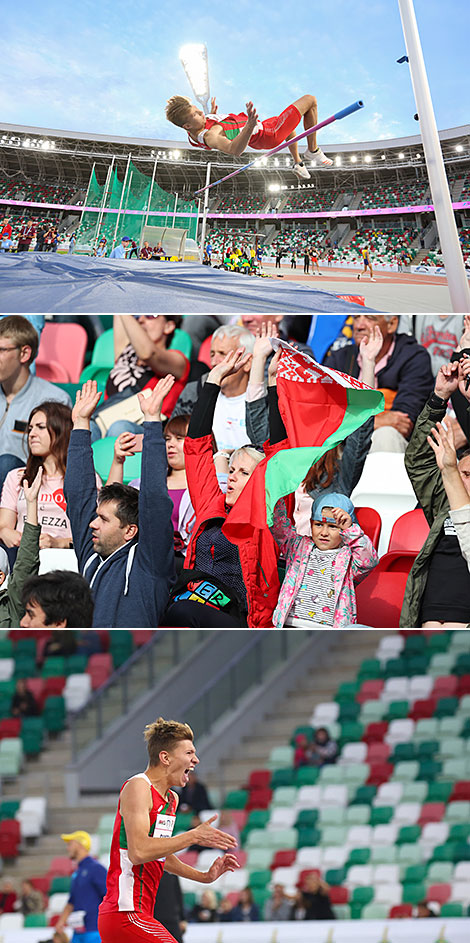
[44, 282]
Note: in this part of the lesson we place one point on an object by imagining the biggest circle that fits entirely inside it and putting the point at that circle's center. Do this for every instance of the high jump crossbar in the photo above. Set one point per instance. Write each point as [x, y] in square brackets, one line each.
[336, 117]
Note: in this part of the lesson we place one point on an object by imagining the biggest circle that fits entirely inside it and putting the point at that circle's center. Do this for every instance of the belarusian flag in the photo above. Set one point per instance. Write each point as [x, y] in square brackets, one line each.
[320, 407]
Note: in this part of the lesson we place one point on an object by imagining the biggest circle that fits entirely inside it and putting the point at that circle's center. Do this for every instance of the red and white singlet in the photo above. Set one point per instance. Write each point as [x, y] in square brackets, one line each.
[134, 887]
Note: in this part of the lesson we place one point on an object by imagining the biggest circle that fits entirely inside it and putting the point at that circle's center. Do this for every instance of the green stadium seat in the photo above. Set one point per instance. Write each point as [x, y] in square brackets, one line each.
[408, 834]
[446, 707]
[309, 837]
[6, 648]
[395, 668]
[457, 812]
[7, 688]
[103, 454]
[351, 731]
[76, 664]
[349, 711]
[102, 360]
[439, 791]
[450, 726]
[384, 854]
[182, 341]
[418, 665]
[362, 895]
[260, 896]
[408, 855]
[307, 776]
[284, 796]
[441, 664]
[9, 808]
[60, 885]
[413, 893]
[358, 815]
[54, 713]
[452, 910]
[358, 856]
[459, 832]
[364, 795]
[374, 911]
[260, 878]
[25, 667]
[415, 873]
[406, 771]
[333, 835]
[429, 769]
[25, 646]
[415, 644]
[347, 691]
[427, 749]
[443, 852]
[258, 818]
[462, 665]
[372, 712]
[259, 859]
[381, 814]
[281, 757]
[307, 818]
[189, 900]
[53, 667]
[283, 777]
[335, 876]
[5, 706]
[35, 920]
[397, 710]
[438, 641]
[414, 791]
[236, 799]
[370, 670]
[121, 646]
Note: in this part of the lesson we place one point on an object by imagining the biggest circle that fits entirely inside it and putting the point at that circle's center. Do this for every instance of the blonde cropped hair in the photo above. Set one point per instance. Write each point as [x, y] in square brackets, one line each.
[177, 109]
[164, 735]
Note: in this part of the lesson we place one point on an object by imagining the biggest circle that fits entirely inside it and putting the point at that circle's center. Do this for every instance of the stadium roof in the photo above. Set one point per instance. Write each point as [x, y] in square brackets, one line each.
[53, 155]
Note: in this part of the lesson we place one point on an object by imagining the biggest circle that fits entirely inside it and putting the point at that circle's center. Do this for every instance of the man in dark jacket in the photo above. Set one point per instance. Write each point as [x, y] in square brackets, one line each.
[403, 373]
[123, 539]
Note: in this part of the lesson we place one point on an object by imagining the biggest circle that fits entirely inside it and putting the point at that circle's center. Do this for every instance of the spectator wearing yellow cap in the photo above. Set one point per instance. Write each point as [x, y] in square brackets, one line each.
[87, 890]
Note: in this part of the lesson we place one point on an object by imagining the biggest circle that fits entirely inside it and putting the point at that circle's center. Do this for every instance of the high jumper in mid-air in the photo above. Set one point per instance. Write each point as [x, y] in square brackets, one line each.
[233, 133]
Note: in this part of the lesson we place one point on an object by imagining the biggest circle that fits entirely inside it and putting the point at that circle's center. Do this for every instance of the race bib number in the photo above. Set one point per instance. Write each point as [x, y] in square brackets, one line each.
[163, 828]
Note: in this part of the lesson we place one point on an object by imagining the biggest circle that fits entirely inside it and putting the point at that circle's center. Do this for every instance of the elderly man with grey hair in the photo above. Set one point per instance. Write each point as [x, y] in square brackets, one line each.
[229, 426]
[402, 372]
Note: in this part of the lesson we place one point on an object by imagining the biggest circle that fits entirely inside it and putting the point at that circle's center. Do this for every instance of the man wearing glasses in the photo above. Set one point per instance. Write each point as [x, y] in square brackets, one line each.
[20, 391]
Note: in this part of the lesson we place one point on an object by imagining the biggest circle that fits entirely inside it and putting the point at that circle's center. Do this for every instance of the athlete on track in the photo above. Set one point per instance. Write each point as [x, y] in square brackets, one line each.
[367, 265]
[233, 133]
[142, 845]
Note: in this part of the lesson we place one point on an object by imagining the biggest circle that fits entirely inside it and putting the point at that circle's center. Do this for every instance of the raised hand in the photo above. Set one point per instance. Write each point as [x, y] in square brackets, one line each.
[442, 443]
[234, 361]
[447, 380]
[220, 866]
[213, 106]
[272, 367]
[86, 402]
[465, 339]
[210, 837]
[371, 346]
[342, 518]
[263, 347]
[151, 406]
[464, 376]
[31, 491]
[252, 114]
[124, 447]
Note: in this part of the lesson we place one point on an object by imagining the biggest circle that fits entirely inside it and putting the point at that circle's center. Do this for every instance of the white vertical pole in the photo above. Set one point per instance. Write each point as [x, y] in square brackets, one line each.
[204, 215]
[456, 277]
[103, 202]
[151, 192]
[86, 198]
[174, 211]
[120, 202]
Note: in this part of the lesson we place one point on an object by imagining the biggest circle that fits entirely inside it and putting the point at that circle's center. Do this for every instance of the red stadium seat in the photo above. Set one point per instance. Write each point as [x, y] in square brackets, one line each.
[424, 707]
[431, 812]
[53, 687]
[10, 727]
[338, 895]
[204, 351]
[305, 873]
[380, 598]
[41, 883]
[100, 668]
[460, 792]
[377, 753]
[259, 799]
[283, 859]
[463, 686]
[439, 892]
[10, 838]
[445, 686]
[379, 773]
[61, 866]
[62, 351]
[375, 732]
[400, 911]
[370, 690]
[370, 522]
[259, 779]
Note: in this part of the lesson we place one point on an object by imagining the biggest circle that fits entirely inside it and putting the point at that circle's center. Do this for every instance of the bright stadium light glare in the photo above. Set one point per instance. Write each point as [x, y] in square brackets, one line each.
[459, 148]
[274, 187]
[193, 58]
[367, 158]
[276, 162]
[353, 159]
[401, 155]
[338, 161]
[176, 155]
[382, 157]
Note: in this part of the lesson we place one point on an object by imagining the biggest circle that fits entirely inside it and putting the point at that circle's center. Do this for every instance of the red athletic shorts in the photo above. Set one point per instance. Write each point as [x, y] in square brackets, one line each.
[128, 926]
[275, 130]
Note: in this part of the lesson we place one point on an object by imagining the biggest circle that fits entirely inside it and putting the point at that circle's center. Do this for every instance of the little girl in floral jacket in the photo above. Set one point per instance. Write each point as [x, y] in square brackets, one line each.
[318, 587]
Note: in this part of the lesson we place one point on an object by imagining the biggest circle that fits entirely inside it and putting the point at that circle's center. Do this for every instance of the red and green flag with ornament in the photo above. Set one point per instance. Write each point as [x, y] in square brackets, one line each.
[320, 407]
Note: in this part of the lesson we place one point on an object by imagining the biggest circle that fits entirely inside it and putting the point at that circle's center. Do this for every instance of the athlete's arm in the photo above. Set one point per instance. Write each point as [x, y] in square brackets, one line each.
[135, 810]
[225, 863]
[217, 139]
[161, 360]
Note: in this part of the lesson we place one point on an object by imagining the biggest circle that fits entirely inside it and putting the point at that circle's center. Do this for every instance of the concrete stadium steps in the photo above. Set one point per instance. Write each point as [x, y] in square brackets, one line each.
[341, 663]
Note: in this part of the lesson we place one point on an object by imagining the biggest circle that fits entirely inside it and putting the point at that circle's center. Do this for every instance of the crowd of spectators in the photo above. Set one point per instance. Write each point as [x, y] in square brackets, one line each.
[200, 429]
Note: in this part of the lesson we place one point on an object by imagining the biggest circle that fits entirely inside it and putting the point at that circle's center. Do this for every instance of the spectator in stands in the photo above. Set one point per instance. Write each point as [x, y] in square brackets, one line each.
[146, 251]
[57, 598]
[194, 796]
[402, 372]
[142, 356]
[440, 562]
[23, 703]
[59, 936]
[49, 428]
[30, 900]
[114, 540]
[318, 587]
[425, 909]
[232, 134]
[8, 896]
[26, 236]
[225, 910]
[205, 910]
[440, 335]
[443, 445]
[229, 424]
[298, 908]
[228, 824]
[89, 643]
[169, 906]
[278, 907]
[316, 897]
[5, 228]
[61, 643]
[236, 583]
[87, 890]
[302, 750]
[323, 750]
[6, 242]
[27, 561]
[120, 251]
[20, 392]
[246, 910]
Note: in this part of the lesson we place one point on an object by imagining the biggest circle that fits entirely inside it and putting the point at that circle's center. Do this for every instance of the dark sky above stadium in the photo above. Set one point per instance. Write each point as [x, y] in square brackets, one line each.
[109, 67]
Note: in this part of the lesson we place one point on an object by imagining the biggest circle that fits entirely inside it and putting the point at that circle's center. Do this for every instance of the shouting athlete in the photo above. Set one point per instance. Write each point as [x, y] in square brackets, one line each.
[143, 847]
[233, 133]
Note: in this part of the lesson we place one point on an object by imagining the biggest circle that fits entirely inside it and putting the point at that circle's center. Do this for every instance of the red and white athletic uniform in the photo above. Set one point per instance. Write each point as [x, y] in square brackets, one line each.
[126, 912]
[267, 134]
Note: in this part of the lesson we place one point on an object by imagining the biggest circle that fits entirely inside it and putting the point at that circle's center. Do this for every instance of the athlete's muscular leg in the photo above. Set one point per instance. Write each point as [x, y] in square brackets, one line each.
[307, 105]
[294, 148]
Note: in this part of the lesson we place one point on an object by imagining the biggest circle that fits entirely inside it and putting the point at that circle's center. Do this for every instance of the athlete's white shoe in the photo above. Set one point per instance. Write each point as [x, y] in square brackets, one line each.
[373, 279]
[301, 171]
[318, 158]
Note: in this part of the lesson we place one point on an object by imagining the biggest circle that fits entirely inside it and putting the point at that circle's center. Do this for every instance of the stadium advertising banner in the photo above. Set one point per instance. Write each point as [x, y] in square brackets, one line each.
[338, 931]
[338, 214]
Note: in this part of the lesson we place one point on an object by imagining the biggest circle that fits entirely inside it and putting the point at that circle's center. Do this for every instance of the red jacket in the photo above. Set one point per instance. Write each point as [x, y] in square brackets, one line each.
[258, 555]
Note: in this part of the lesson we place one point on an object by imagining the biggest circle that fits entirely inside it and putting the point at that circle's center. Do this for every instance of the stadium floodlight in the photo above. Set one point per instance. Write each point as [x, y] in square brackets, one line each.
[338, 161]
[401, 155]
[176, 155]
[193, 58]
[459, 148]
[274, 187]
[382, 157]
[353, 159]
[367, 158]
